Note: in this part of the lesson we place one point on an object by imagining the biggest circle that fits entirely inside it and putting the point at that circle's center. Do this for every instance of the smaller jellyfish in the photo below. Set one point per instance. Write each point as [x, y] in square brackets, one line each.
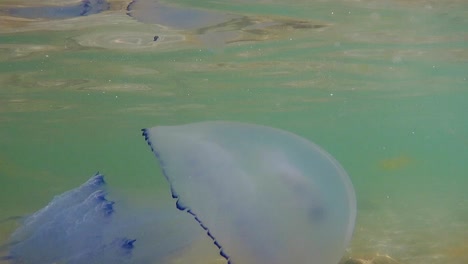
[82, 226]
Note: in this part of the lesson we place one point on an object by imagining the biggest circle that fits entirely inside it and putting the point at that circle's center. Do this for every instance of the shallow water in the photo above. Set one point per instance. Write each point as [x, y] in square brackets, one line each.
[381, 85]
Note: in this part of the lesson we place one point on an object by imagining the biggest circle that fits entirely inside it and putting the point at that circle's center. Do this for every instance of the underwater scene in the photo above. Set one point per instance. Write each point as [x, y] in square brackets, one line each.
[238, 132]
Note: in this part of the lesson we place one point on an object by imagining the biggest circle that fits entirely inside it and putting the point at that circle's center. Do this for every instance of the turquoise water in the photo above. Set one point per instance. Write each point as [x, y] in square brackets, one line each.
[381, 85]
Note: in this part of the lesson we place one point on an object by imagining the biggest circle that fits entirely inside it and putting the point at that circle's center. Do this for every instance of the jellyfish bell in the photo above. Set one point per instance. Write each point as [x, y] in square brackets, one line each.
[262, 194]
[82, 226]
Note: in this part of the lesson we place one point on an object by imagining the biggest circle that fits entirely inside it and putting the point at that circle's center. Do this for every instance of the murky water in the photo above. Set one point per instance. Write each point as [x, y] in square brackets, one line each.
[381, 85]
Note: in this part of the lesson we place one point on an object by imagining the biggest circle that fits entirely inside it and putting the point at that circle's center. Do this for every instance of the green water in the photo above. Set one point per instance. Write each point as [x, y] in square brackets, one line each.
[381, 85]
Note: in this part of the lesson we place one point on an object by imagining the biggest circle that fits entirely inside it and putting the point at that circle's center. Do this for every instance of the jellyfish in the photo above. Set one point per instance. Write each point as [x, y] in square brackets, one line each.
[263, 195]
[83, 226]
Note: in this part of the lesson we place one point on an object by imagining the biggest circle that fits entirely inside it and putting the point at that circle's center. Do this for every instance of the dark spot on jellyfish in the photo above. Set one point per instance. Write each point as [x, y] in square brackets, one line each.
[84, 8]
[128, 243]
[316, 213]
[155, 38]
